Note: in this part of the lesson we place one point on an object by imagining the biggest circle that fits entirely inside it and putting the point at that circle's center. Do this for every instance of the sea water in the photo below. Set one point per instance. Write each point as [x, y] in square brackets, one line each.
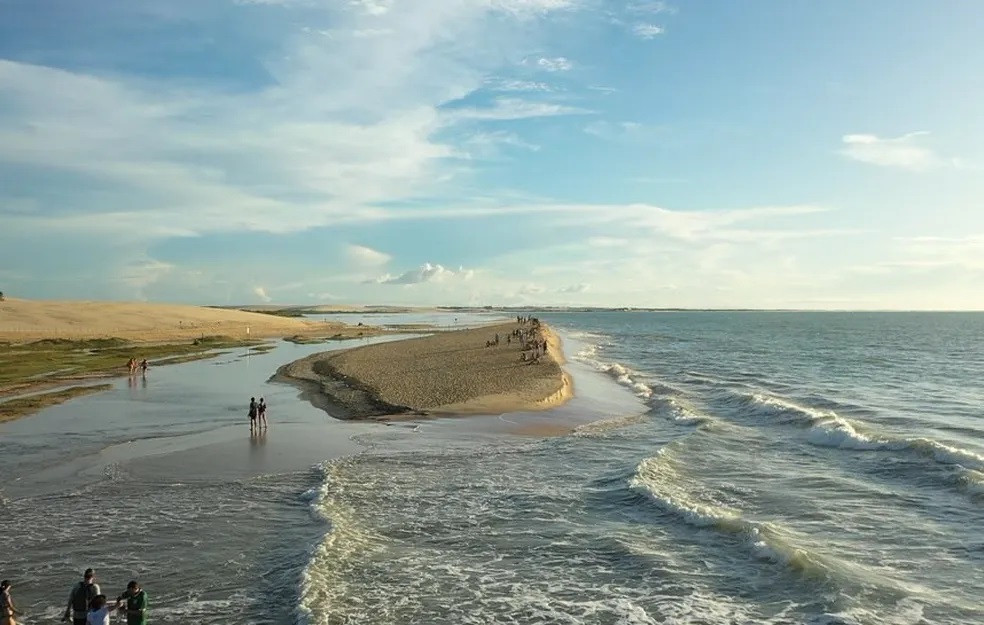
[769, 468]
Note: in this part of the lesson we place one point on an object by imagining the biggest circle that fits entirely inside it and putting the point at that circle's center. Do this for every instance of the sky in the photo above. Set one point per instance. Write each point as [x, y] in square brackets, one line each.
[713, 153]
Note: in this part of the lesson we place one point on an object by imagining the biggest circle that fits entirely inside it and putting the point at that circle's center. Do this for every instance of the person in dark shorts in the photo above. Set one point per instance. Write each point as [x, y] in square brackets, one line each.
[81, 596]
[261, 411]
[253, 412]
[136, 604]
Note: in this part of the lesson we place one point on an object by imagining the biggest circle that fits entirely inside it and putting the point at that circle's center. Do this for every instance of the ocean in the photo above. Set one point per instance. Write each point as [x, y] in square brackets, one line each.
[814, 468]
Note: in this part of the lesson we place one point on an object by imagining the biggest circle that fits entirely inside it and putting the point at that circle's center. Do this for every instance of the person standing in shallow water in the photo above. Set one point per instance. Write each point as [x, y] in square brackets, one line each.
[7, 608]
[136, 604]
[253, 410]
[81, 597]
[261, 412]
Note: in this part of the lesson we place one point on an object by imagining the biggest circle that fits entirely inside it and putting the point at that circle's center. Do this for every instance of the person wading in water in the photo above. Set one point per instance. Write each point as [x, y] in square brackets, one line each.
[253, 411]
[82, 595]
[7, 609]
[136, 604]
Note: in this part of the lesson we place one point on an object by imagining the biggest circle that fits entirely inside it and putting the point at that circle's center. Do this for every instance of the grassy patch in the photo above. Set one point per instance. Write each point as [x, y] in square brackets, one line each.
[54, 359]
[282, 312]
[22, 406]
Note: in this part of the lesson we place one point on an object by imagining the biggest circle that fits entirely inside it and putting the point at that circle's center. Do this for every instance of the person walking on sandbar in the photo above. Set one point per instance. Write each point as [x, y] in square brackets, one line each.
[80, 598]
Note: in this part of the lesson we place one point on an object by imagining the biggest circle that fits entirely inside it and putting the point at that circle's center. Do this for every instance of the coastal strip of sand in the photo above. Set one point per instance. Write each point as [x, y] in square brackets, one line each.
[33, 320]
[448, 373]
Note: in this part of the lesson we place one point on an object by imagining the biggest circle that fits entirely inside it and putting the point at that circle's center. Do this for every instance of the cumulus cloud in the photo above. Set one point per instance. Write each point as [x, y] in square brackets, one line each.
[366, 256]
[427, 272]
[902, 152]
[261, 293]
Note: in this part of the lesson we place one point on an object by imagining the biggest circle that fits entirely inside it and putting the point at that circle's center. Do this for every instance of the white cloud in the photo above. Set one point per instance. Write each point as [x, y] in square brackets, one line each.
[651, 7]
[647, 31]
[552, 64]
[187, 159]
[366, 256]
[489, 144]
[425, 273]
[516, 108]
[902, 152]
[519, 85]
[261, 293]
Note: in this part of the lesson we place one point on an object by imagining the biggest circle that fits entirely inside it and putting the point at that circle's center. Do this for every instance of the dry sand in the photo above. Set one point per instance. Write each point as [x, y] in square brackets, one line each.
[31, 320]
[447, 373]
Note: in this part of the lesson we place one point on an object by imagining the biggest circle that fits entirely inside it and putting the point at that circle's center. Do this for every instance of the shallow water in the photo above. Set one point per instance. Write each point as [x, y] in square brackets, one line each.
[726, 468]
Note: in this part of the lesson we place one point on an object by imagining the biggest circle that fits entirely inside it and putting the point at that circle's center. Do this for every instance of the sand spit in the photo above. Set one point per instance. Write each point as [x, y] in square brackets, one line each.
[32, 320]
[446, 373]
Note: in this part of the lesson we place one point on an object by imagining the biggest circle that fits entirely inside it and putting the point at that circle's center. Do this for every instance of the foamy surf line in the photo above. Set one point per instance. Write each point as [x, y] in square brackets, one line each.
[664, 396]
[828, 429]
[659, 480]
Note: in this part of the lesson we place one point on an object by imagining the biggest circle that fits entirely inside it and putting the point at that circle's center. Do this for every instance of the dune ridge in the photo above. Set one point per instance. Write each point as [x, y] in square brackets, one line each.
[32, 320]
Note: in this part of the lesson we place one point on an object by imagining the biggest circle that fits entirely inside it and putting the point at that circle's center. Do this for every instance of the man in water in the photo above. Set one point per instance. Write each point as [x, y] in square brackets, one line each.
[253, 410]
[78, 601]
[261, 412]
[136, 604]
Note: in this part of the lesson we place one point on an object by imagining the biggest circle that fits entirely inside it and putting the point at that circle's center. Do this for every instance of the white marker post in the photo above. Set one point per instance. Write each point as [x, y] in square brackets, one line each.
[247, 342]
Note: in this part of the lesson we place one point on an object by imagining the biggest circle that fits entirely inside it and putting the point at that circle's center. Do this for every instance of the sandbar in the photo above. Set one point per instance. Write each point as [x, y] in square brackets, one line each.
[447, 373]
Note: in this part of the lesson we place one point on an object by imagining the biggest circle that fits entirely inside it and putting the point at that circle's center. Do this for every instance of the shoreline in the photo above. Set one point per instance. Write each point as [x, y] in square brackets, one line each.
[443, 374]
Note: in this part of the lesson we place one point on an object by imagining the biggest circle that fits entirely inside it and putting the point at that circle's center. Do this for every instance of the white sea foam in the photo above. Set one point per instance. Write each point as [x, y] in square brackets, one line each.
[828, 429]
[659, 478]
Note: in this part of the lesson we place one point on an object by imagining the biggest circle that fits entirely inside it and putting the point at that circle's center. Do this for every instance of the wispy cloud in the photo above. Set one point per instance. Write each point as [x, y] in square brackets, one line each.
[551, 64]
[903, 152]
[519, 85]
[652, 7]
[366, 256]
[261, 293]
[516, 108]
[647, 31]
[575, 288]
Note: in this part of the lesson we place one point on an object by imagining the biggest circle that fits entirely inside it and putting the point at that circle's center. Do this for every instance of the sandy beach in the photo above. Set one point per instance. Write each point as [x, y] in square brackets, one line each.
[447, 373]
[31, 320]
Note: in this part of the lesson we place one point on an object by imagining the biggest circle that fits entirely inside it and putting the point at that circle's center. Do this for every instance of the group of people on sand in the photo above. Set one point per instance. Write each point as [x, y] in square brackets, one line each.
[257, 414]
[132, 365]
[86, 604]
[529, 335]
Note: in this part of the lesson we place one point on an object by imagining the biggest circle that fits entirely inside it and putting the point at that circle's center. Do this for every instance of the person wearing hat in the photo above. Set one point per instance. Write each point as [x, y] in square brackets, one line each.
[82, 595]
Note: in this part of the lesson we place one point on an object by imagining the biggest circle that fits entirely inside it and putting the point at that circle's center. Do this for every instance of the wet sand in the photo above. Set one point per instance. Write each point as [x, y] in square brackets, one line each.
[447, 373]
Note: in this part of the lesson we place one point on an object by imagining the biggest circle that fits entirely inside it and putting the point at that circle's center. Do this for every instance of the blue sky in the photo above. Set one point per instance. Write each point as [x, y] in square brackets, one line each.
[619, 153]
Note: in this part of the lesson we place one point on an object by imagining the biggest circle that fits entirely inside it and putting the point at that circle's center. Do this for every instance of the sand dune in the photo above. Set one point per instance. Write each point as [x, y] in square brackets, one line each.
[447, 373]
[29, 320]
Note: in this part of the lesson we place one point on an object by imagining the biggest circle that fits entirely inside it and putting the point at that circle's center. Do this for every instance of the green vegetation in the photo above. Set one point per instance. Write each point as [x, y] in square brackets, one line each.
[49, 360]
[282, 312]
[21, 406]
[311, 340]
